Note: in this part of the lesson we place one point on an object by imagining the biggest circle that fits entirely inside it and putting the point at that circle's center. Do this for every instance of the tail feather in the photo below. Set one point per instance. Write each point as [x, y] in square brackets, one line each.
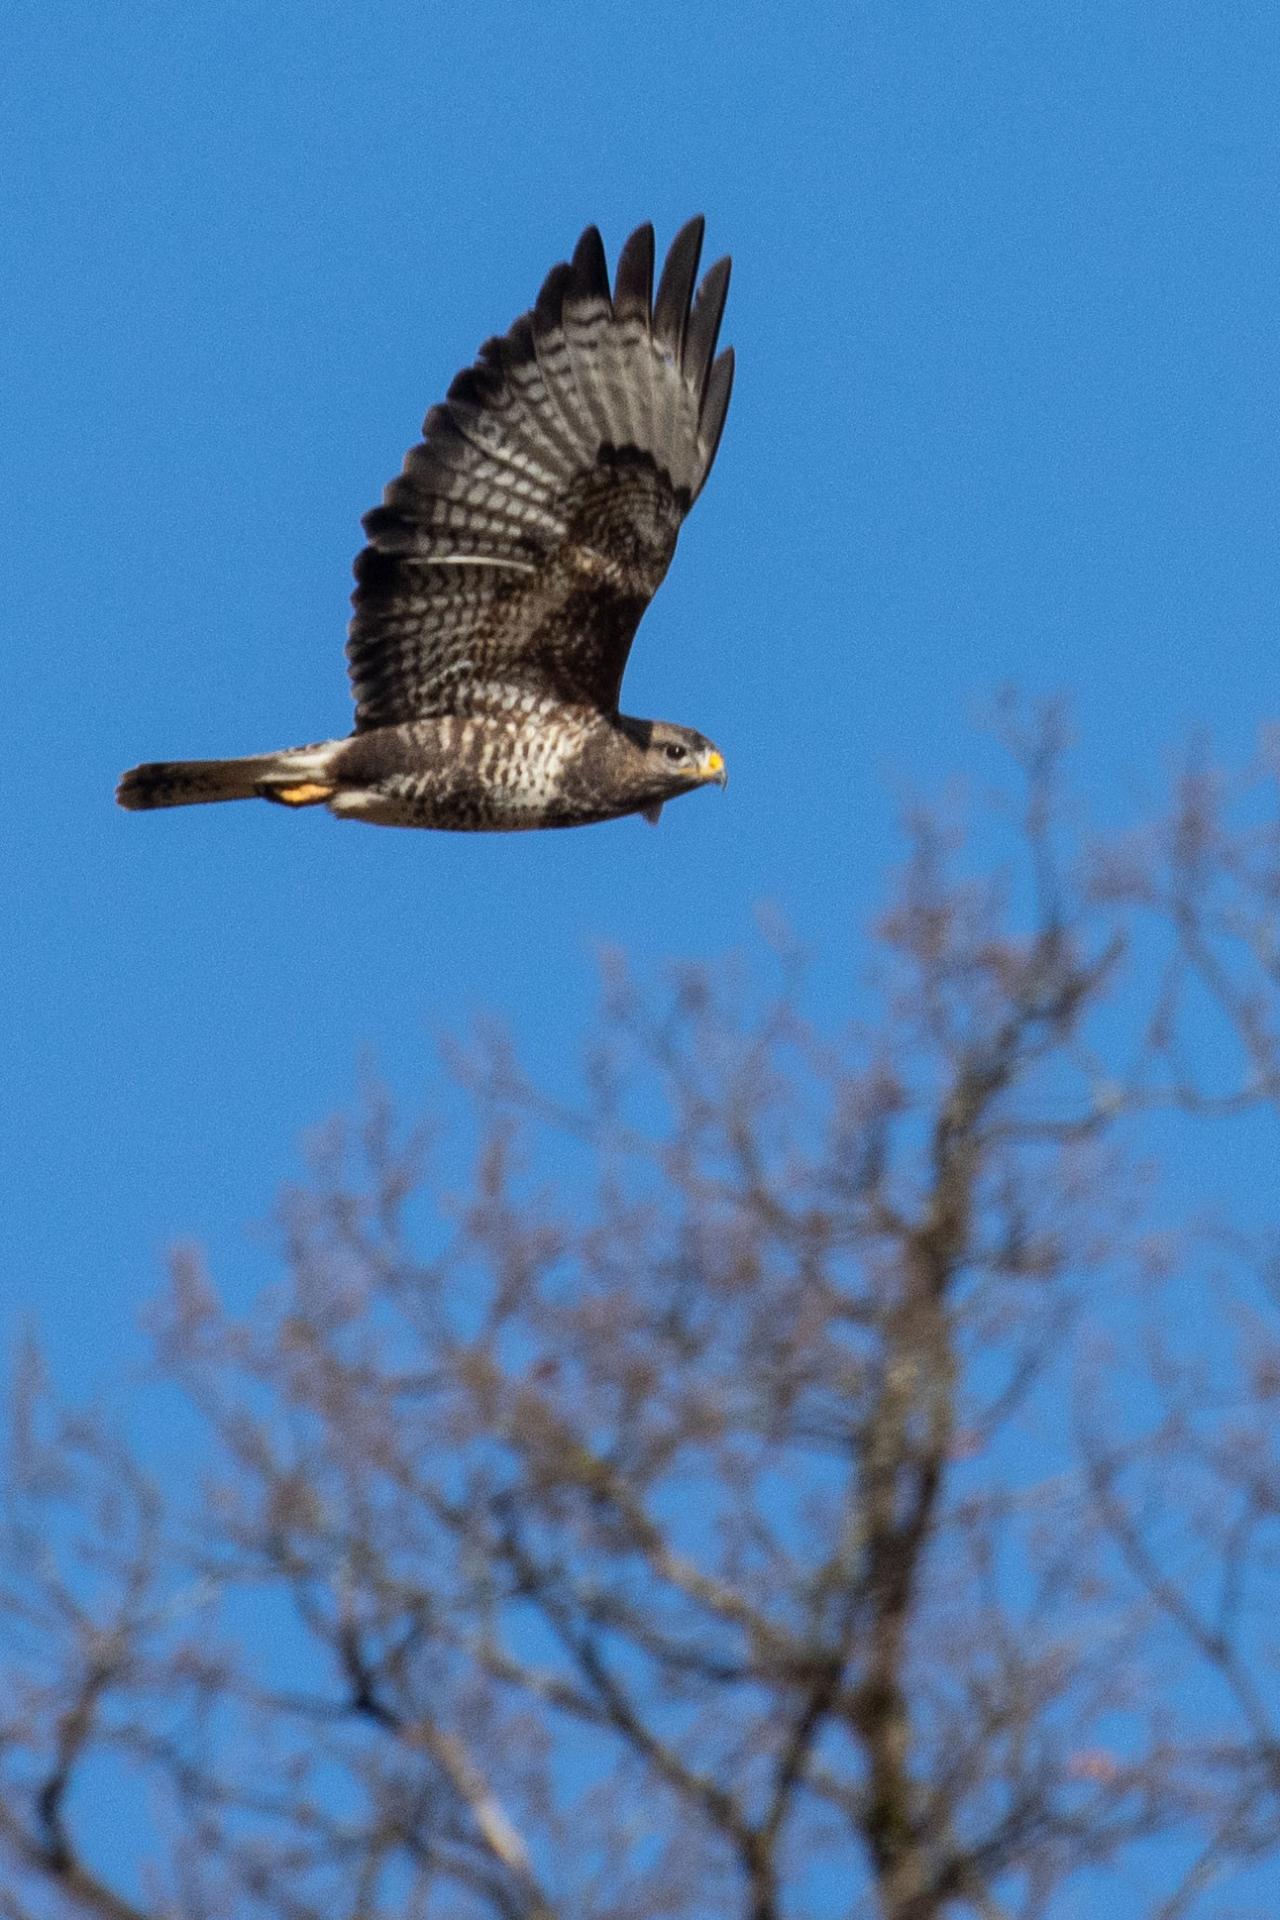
[295, 777]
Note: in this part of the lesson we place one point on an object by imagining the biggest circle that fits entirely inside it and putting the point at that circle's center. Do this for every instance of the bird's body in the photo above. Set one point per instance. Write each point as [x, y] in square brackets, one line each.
[509, 567]
[495, 769]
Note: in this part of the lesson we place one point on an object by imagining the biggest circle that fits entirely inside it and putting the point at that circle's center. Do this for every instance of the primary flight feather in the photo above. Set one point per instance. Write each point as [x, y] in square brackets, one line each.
[508, 569]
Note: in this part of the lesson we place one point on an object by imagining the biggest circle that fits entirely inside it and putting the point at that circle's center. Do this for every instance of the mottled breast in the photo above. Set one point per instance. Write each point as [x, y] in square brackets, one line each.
[504, 768]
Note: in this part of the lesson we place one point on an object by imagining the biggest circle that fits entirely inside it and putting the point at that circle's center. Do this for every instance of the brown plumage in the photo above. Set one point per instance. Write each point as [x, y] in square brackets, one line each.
[508, 569]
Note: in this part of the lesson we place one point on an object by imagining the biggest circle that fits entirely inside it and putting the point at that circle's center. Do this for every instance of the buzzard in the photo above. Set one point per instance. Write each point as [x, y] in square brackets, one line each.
[508, 569]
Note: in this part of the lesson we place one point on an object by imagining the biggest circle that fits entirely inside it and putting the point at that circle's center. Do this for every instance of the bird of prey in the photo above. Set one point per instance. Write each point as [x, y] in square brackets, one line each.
[509, 566]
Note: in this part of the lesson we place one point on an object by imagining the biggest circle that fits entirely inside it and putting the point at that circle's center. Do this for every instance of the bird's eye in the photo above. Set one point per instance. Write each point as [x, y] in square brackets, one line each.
[676, 752]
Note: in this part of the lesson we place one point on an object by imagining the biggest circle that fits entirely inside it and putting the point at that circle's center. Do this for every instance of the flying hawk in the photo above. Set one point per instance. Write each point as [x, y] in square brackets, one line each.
[508, 569]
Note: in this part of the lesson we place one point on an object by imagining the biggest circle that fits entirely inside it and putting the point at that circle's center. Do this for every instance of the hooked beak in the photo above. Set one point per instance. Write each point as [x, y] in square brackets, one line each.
[713, 767]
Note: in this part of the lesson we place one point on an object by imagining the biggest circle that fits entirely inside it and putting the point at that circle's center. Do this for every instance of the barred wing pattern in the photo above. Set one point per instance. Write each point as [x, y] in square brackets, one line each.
[517, 550]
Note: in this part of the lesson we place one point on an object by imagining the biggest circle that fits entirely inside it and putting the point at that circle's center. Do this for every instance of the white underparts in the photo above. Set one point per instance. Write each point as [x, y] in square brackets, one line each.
[309, 763]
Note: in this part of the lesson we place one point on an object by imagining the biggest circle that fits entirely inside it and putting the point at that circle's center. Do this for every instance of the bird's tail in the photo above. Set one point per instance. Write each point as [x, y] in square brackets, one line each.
[297, 777]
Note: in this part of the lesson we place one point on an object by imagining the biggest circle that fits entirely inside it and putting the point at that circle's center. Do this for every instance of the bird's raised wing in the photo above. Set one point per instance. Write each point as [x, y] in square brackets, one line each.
[535, 520]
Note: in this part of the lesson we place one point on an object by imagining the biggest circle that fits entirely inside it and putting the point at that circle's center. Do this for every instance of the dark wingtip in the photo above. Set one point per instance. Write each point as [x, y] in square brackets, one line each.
[590, 269]
[675, 289]
[689, 239]
[704, 324]
[549, 304]
[715, 405]
[633, 287]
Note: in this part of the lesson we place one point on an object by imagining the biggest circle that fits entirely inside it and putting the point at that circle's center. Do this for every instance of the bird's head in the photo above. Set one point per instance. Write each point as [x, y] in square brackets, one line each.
[686, 758]
[666, 760]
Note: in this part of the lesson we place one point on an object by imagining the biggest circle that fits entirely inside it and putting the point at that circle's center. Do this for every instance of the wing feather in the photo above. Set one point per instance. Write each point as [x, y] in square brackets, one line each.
[556, 364]
[537, 516]
[704, 327]
[633, 321]
[633, 285]
[715, 405]
[675, 288]
[600, 363]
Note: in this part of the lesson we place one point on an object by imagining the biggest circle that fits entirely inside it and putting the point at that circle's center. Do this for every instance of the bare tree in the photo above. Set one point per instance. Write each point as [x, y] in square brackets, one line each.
[813, 1469]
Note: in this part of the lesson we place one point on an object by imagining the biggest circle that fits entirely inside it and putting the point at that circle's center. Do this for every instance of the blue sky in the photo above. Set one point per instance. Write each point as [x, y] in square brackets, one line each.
[1005, 305]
